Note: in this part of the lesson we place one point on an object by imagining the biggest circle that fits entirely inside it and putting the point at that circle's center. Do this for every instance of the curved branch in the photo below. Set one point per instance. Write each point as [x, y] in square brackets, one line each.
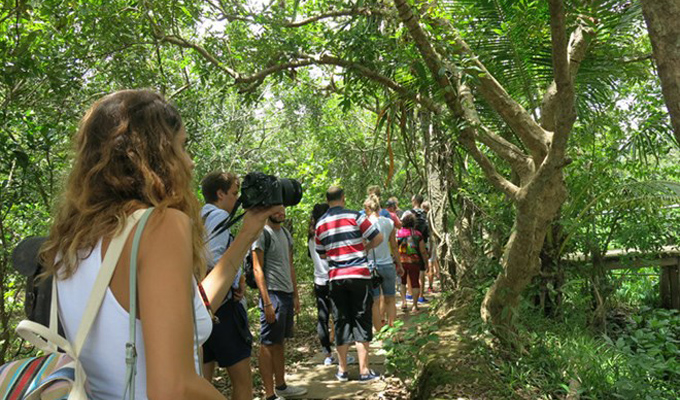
[516, 116]
[385, 81]
[203, 52]
[338, 13]
[255, 79]
[436, 67]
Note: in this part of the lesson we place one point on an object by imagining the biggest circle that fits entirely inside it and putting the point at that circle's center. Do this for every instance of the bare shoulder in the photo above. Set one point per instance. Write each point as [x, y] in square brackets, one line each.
[169, 218]
[167, 239]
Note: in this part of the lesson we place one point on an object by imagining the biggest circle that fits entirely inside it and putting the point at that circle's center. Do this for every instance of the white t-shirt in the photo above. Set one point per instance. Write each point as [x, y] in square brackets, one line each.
[103, 355]
[320, 265]
[381, 254]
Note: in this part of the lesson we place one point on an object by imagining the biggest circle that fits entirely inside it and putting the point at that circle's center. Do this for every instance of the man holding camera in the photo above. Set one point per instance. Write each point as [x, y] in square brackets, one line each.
[279, 302]
[230, 342]
[343, 237]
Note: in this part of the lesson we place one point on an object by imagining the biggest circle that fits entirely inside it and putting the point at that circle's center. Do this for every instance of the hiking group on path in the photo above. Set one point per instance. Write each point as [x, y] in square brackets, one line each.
[347, 247]
[184, 273]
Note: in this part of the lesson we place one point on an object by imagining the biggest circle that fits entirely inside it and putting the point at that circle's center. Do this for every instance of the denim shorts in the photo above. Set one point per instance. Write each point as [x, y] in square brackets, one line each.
[282, 328]
[388, 285]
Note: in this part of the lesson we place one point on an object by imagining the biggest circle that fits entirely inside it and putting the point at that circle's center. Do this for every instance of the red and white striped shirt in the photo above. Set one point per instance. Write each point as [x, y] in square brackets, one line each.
[339, 235]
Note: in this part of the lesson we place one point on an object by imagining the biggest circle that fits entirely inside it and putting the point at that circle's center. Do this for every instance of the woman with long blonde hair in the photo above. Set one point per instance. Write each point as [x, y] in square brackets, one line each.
[130, 155]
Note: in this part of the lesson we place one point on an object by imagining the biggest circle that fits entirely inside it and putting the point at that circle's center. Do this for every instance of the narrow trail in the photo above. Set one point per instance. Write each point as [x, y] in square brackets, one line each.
[320, 380]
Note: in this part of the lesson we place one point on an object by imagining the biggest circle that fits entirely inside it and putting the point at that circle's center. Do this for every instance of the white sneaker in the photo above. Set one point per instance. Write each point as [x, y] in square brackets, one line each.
[329, 360]
[291, 391]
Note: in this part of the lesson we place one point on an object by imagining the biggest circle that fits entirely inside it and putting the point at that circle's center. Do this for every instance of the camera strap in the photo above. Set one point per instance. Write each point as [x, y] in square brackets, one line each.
[228, 222]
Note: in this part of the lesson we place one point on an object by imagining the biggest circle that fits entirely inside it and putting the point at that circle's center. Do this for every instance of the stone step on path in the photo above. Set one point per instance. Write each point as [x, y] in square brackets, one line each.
[320, 379]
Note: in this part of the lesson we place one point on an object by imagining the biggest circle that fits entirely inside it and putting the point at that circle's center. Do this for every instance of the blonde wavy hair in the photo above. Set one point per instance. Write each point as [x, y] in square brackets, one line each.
[372, 203]
[127, 156]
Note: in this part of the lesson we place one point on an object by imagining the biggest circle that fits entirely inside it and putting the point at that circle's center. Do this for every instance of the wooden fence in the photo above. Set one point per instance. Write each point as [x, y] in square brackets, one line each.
[667, 258]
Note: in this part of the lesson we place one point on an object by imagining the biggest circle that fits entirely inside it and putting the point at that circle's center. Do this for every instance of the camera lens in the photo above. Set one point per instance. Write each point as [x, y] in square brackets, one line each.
[291, 191]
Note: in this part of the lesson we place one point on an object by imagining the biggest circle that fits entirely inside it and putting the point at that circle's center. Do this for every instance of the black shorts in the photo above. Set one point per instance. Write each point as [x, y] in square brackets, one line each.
[230, 340]
[352, 301]
[282, 328]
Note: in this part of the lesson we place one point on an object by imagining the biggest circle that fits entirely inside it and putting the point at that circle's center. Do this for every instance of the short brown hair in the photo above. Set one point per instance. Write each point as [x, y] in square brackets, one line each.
[217, 180]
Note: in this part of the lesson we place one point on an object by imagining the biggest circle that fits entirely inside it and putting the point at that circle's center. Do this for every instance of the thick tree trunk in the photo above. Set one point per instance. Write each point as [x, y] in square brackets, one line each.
[439, 183]
[464, 236]
[521, 258]
[551, 278]
[662, 18]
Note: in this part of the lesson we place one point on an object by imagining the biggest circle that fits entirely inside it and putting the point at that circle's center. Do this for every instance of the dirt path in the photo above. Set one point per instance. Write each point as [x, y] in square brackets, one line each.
[321, 383]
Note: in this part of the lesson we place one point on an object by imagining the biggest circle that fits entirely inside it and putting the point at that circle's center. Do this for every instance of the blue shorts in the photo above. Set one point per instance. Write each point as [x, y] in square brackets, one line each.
[230, 340]
[388, 285]
[282, 328]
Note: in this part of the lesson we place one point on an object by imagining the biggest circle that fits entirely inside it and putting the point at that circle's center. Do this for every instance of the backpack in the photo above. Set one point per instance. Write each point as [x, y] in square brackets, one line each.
[421, 222]
[248, 270]
[409, 245]
[38, 293]
[409, 248]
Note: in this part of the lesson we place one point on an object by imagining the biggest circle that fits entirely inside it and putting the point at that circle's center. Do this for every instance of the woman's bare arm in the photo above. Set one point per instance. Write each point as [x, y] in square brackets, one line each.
[165, 288]
[219, 280]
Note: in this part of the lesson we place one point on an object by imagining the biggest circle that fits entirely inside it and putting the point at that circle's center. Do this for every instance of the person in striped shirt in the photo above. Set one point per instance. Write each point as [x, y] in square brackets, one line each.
[342, 237]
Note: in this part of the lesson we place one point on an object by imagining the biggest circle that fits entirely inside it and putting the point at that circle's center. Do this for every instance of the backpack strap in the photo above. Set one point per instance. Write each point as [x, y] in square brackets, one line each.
[48, 339]
[130, 346]
[267, 245]
[205, 217]
[104, 278]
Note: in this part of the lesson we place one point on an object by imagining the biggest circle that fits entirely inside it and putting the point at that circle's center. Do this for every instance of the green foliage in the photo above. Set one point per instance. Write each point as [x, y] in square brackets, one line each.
[651, 344]
[406, 346]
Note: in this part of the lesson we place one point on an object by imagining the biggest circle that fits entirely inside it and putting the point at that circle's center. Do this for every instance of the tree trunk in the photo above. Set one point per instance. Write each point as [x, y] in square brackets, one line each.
[551, 278]
[521, 258]
[439, 182]
[664, 32]
[463, 231]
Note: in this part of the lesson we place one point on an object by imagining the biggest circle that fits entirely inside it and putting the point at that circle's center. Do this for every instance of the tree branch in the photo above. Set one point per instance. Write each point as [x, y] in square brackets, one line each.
[435, 65]
[578, 48]
[338, 13]
[431, 58]
[565, 114]
[496, 179]
[203, 52]
[516, 116]
[513, 155]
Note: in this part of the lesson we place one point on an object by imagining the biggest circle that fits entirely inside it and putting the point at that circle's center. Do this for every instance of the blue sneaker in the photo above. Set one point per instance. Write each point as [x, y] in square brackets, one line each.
[409, 297]
[342, 377]
[351, 359]
[372, 375]
[422, 300]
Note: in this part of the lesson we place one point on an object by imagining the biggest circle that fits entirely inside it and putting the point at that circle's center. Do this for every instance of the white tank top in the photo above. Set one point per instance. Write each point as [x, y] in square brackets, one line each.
[103, 355]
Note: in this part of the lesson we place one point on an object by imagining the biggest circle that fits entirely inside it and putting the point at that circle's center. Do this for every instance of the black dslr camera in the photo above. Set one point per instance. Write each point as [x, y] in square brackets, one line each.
[263, 190]
[260, 190]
